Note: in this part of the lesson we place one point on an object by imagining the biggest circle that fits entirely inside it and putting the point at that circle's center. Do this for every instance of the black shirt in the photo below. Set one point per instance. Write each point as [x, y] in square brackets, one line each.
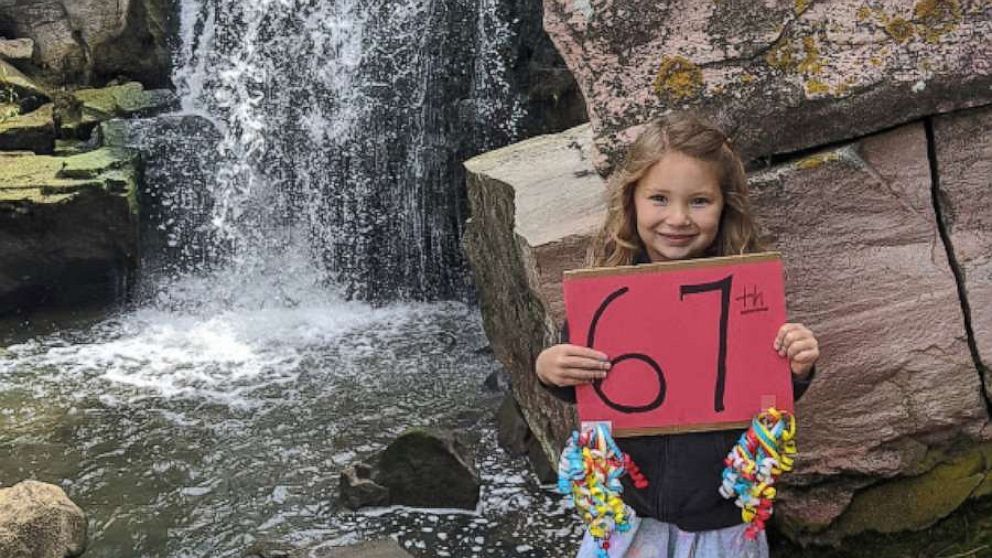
[684, 471]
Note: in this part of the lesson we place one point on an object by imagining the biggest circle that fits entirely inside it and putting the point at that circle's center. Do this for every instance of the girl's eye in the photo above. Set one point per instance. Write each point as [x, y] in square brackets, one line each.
[658, 198]
[700, 202]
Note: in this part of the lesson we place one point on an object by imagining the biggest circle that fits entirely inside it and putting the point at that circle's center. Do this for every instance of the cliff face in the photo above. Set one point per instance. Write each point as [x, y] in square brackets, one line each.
[781, 75]
[88, 41]
[881, 216]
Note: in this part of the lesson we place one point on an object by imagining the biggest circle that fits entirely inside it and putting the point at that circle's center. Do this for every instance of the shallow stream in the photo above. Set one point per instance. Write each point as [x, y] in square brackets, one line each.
[201, 431]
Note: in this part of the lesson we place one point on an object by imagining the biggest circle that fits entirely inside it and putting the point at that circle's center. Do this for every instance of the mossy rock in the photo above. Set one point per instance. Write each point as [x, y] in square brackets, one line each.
[51, 179]
[34, 131]
[68, 229]
[914, 503]
[945, 479]
[15, 86]
[88, 107]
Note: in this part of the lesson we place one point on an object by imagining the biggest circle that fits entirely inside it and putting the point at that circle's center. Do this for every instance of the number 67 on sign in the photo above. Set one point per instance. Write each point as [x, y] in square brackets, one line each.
[690, 343]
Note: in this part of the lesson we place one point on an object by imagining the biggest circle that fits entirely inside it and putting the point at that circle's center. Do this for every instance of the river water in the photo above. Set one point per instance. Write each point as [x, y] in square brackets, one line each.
[217, 408]
[205, 431]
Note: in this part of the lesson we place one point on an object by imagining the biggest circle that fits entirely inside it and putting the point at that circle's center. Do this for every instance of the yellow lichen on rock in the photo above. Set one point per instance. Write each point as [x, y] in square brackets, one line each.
[817, 160]
[899, 29]
[816, 87]
[678, 79]
[811, 63]
[801, 6]
[936, 17]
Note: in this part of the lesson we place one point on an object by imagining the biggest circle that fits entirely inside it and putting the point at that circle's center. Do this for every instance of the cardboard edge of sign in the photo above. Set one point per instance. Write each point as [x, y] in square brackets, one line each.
[672, 266]
[663, 430]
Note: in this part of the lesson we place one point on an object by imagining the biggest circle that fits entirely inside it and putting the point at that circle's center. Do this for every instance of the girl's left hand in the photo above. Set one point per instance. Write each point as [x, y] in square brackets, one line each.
[797, 342]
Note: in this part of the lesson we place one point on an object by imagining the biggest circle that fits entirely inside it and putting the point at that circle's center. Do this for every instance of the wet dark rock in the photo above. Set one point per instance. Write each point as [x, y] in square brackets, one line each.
[512, 432]
[543, 469]
[358, 490]
[385, 548]
[68, 229]
[85, 42]
[429, 469]
[267, 549]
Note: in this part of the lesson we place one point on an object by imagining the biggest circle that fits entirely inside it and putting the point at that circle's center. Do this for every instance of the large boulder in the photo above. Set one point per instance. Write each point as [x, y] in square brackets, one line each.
[782, 75]
[82, 41]
[38, 520]
[68, 228]
[534, 207]
[898, 391]
[897, 408]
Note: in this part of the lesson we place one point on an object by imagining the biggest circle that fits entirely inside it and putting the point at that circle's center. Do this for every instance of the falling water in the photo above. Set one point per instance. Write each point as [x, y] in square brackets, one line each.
[343, 126]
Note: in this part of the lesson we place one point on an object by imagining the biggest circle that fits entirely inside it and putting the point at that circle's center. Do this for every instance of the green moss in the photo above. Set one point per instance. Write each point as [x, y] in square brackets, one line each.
[916, 502]
[966, 533]
[16, 85]
[678, 79]
[52, 179]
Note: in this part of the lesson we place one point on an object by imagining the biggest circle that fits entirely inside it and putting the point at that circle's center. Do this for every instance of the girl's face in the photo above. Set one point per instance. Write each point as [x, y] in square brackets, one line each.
[678, 204]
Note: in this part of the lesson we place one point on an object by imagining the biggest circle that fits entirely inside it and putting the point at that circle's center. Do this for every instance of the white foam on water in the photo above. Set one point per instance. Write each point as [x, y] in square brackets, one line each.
[205, 338]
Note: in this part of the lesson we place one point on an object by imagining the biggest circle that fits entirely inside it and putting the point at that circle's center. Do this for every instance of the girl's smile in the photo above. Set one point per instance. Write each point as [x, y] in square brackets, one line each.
[678, 204]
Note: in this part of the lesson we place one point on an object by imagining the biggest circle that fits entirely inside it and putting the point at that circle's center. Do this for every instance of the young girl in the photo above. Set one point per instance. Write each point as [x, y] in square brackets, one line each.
[681, 194]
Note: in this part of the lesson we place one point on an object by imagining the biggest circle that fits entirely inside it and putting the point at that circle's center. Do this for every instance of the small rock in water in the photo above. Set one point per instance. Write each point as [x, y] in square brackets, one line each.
[38, 520]
[385, 548]
[359, 490]
[429, 469]
[266, 549]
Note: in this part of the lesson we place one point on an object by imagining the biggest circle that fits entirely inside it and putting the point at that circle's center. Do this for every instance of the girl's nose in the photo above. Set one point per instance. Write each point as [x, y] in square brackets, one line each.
[681, 216]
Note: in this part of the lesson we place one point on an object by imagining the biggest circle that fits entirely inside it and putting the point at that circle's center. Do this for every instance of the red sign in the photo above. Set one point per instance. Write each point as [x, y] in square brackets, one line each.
[690, 342]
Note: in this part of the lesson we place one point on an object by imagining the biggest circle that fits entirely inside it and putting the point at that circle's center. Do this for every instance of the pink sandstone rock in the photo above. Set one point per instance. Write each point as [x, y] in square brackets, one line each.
[964, 158]
[781, 75]
[868, 272]
[896, 388]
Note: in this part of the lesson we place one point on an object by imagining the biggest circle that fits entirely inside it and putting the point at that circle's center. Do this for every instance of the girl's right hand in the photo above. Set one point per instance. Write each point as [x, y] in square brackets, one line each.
[571, 365]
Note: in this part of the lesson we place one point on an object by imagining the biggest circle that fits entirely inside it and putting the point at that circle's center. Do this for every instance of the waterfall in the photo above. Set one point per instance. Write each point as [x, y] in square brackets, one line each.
[342, 127]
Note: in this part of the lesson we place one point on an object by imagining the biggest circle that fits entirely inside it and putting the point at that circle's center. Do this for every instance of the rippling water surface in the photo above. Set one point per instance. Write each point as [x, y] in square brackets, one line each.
[200, 430]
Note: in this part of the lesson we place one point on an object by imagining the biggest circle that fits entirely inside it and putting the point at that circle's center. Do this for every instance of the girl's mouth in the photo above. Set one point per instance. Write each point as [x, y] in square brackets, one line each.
[678, 239]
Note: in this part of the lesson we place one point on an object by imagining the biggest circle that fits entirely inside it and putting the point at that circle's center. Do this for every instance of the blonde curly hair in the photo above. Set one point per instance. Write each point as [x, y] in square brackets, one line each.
[618, 242]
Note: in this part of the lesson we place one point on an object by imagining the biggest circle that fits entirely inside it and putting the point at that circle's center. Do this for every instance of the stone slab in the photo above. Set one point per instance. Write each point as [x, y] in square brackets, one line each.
[781, 75]
[534, 206]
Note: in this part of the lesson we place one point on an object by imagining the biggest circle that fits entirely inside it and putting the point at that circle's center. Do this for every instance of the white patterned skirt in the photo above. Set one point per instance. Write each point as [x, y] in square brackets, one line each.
[649, 538]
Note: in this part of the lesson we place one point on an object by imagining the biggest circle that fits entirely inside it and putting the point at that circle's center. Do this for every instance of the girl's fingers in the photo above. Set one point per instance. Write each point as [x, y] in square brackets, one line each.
[586, 352]
[780, 336]
[584, 363]
[579, 376]
[798, 346]
[789, 334]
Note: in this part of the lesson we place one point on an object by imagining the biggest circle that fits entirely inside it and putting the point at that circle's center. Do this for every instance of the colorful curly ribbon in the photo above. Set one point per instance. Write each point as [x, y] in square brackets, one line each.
[763, 453]
[589, 469]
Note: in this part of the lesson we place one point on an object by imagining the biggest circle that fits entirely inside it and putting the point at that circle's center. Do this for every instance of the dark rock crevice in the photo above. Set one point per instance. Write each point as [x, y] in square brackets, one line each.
[942, 226]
